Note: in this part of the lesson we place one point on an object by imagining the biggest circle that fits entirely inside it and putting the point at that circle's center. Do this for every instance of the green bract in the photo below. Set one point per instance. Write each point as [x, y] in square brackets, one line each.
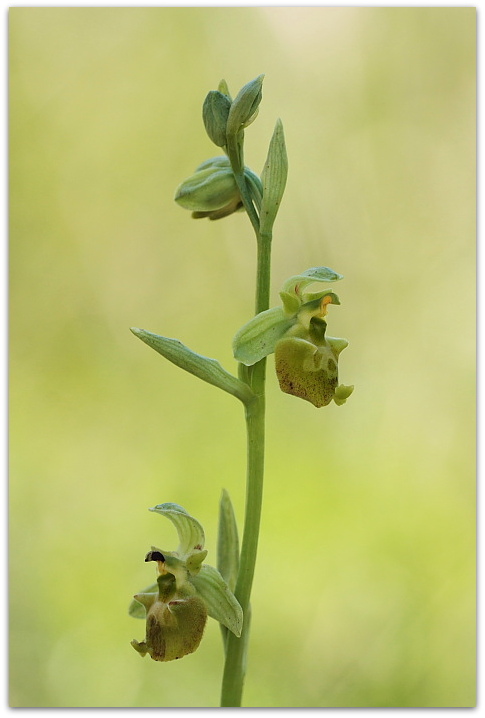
[227, 542]
[185, 593]
[273, 178]
[306, 359]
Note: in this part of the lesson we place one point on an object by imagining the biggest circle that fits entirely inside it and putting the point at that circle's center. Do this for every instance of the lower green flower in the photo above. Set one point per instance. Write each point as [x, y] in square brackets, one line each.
[186, 592]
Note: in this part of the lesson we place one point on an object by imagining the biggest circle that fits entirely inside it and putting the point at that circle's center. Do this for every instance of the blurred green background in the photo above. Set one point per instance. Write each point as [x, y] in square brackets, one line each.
[365, 585]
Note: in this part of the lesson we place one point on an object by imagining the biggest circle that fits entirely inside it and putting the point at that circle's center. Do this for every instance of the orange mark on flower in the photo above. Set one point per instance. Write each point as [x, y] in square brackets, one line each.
[323, 304]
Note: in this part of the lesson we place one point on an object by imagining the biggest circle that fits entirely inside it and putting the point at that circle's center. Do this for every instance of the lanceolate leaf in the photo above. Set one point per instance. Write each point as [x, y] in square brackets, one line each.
[258, 337]
[208, 370]
[191, 533]
[220, 601]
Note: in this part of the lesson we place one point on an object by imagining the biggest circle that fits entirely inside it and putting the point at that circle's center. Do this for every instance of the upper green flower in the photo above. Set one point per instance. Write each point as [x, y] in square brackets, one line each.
[185, 593]
[306, 359]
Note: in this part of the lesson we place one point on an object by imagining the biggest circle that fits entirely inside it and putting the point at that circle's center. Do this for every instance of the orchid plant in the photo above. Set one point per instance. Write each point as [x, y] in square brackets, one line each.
[175, 607]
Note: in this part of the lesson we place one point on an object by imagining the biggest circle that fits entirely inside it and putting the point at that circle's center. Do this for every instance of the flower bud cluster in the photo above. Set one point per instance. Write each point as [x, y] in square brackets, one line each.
[212, 191]
[223, 116]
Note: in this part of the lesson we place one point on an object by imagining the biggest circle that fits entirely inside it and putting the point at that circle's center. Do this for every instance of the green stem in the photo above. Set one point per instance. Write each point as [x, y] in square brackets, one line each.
[236, 648]
[234, 150]
[263, 273]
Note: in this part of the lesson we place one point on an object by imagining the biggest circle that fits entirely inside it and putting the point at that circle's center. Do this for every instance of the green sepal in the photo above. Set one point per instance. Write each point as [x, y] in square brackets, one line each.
[295, 285]
[221, 603]
[244, 106]
[258, 337]
[136, 609]
[227, 542]
[190, 532]
[208, 370]
[273, 179]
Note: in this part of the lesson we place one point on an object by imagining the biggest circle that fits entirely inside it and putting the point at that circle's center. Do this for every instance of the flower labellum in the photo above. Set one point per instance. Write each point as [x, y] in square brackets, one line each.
[174, 623]
[306, 365]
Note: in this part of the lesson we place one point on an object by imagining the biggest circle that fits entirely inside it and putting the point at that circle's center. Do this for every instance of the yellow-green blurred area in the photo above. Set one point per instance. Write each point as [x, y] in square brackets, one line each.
[364, 591]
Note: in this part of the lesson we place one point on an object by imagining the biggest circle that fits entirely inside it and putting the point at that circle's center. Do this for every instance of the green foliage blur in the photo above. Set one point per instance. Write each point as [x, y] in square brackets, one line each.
[365, 586]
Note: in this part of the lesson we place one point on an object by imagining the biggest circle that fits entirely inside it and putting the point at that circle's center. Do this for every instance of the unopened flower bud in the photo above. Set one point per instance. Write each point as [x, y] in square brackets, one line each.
[245, 105]
[215, 112]
[210, 189]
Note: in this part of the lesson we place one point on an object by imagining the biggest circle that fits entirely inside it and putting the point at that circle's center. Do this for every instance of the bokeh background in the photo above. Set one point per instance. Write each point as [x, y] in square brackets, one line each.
[365, 584]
